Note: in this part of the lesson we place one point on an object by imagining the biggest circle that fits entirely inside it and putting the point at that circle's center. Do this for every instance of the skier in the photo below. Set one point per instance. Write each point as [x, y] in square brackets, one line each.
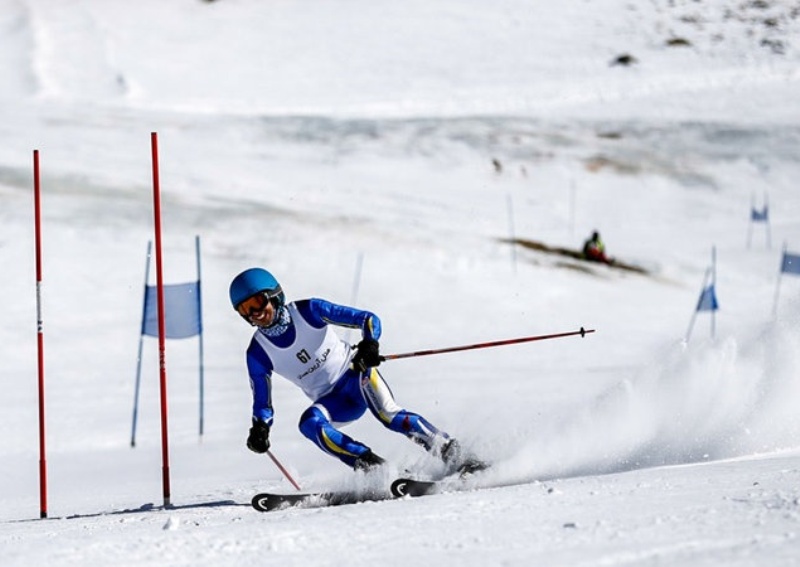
[594, 249]
[297, 341]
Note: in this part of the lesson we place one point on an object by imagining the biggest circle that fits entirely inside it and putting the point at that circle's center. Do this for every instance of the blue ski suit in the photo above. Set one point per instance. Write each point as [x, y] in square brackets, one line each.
[303, 348]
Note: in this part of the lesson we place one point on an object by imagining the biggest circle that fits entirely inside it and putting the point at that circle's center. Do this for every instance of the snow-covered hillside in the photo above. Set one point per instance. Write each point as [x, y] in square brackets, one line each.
[412, 139]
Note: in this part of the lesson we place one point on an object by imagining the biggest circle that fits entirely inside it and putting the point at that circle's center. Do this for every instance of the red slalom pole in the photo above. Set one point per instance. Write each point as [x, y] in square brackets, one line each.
[40, 336]
[582, 332]
[162, 365]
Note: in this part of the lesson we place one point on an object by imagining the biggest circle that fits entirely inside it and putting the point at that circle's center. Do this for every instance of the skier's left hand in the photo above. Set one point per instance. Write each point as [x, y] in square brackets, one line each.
[367, 355]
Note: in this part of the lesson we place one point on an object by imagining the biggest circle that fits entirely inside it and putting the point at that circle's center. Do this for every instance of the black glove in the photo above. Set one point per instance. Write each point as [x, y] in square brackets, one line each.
[367, 355]
[258, 440]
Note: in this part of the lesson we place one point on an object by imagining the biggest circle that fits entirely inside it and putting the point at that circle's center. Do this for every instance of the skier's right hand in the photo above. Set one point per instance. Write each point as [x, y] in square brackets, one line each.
[258, 440]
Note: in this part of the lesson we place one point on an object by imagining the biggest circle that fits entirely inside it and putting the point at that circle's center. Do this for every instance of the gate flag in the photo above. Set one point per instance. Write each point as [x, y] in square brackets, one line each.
[708, 296]
[760, 216]
[790, 264]
[708, 300]
[181, 313]
[183, 318]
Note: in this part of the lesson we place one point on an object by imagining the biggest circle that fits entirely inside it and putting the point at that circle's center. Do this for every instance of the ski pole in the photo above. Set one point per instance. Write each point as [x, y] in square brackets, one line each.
[582, 332]
[283, 470]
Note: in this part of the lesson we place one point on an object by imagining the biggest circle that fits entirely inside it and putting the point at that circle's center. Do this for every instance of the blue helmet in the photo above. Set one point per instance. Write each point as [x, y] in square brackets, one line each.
[253, 281]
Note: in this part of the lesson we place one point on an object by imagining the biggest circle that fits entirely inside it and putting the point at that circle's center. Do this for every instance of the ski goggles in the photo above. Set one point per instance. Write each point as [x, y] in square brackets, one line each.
[253, 304]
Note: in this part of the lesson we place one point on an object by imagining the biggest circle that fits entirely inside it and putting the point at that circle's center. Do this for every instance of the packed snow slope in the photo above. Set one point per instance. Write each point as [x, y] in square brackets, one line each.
[383, 154]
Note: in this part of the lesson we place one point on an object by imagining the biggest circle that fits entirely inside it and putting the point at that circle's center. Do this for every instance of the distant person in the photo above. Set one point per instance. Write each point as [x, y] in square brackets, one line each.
[297, 341]
[594, 250]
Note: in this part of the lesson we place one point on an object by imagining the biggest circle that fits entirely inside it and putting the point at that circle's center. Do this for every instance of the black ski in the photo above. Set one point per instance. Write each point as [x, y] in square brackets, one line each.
[267, 501]
[413, 487]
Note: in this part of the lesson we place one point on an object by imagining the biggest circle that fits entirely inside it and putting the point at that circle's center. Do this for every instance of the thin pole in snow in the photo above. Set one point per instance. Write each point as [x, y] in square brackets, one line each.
[40, 337]
[141, 340]
[778, 285]
[162, 365]
[694, 311]
[766, 210]
[356, 285]
[357, 278]
[714, 287]
[200, 335]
